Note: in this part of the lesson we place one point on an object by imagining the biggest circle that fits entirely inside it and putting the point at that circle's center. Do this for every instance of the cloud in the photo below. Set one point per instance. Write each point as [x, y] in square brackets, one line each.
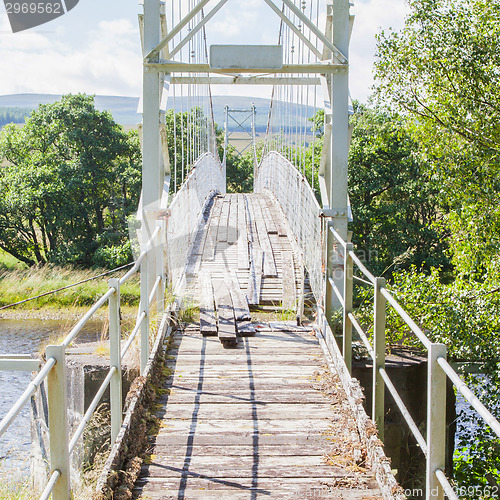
[371, 17]
[109, 61]
[105, 58]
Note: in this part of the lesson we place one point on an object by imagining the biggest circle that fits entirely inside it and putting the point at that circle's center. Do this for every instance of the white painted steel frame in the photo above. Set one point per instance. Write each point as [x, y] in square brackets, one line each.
[244, 80]
[319, 68]
[54, 371]
[438, 370]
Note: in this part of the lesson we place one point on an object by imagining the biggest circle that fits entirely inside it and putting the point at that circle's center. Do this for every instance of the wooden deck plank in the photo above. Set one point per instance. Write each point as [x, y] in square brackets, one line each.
[255, 276]
[243, 257]
[226, 324]
[240, 303]
[249, 422]
[269, 266]
[245, 328]
[208, 323]
[288, 287]
[232, 230]
[222, 230]
[211, 239]
[238, 488]
[277, 216]
[268, 216]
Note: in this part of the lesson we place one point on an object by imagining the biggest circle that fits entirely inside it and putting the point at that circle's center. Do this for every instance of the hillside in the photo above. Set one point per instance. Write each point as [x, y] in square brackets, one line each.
[124, 109]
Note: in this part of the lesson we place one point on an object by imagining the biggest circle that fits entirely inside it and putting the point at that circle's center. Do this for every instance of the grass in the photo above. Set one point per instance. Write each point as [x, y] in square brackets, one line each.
[19, 284]
[9, 262]
[15, 490]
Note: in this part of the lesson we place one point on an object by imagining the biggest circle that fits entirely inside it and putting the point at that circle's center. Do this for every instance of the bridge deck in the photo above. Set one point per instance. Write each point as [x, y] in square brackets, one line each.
[265, 419]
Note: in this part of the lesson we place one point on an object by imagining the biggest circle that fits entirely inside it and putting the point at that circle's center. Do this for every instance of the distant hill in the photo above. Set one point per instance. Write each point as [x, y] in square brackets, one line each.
[124, 109]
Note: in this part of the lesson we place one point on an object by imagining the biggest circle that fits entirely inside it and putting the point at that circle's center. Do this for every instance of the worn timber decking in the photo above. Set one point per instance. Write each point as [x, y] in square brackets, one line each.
[247, 235]
[264, 419]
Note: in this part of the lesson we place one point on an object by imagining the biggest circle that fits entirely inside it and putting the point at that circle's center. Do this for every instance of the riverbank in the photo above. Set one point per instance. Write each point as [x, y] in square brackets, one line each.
[71, 314]
[18, 285]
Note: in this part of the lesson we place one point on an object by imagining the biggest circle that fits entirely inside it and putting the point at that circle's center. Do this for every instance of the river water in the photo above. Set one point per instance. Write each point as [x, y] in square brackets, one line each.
[26, 336]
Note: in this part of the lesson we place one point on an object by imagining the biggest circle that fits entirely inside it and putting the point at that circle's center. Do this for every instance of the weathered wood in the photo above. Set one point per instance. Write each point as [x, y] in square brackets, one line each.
[268, 217]
[278, 217]
[243, 257]
[245, 328]
[238, 488]
[211, 239]
[181, 394]
[239, 450]
[269, 267]
[249, 422]
[240, 303]
[226, 323]
[289, 301]
[223, 221]
[208, 324]
[230, 411]
[255, 276]
[232, 230]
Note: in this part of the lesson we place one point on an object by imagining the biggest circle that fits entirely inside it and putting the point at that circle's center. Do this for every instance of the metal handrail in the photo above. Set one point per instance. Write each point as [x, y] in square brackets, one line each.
[50, 485]
[450, 492]
[134, 268]
[361, 333]
[335, 288]
[132, 336]
[154, 290]
[469, 396]
[21, 363]
[26, 395]
[402, 408]
[77, 328]
[362, 268]
[439, 368]
[406, 318]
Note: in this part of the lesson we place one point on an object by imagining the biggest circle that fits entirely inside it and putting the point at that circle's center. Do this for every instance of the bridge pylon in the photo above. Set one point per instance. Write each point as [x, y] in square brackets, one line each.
[173, 58]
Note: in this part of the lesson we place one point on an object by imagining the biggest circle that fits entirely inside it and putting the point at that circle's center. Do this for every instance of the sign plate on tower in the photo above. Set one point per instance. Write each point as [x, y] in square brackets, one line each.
[246, 56]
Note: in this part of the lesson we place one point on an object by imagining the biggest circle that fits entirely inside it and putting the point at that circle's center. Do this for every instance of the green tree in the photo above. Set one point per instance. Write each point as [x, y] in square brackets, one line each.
[71, 179]
[239, 170]
[187, 138]
[442, 69]
[394, 200]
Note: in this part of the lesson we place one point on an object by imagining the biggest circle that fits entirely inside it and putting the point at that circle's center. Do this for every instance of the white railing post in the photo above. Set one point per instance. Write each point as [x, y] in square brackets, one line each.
[347, 334]
[379, 313]
[58, 422]
[144, 308]
[436, 421]
[160, 266]
[115, 385]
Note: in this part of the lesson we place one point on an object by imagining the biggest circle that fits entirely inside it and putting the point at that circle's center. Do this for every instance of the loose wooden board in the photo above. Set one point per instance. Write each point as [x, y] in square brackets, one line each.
[288, 287]
[240, 303]
[226, 323]
[208, 323]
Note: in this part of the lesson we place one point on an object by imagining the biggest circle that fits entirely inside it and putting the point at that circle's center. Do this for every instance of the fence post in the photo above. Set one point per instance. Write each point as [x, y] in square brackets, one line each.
[379, 313]
[347, 334]
[115, 385]
[436, 420]
[144, 308]
[160, 267]
[58, 422]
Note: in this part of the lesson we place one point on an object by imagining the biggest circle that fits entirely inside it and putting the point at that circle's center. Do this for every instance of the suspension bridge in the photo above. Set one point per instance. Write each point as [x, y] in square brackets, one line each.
[254, 404]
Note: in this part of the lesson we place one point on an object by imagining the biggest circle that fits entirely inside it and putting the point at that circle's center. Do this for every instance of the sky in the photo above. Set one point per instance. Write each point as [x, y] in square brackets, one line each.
[95, 47]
